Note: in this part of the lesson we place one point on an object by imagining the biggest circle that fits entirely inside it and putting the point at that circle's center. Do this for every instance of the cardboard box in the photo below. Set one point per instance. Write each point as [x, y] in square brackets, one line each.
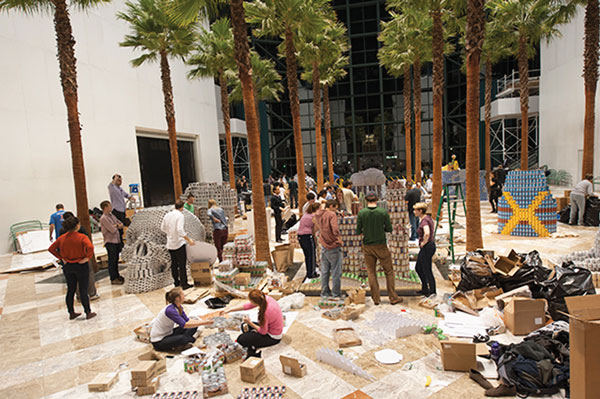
[142, 333]
[159, 358]
[252, 369]
[149, 388]
[103, 382]
[505, 265]
[353, 312]
[276, 295]
[242, 279]
[584, 336]
[144, 370]
[568, 194]
[201, 272]
[561, 203]
[458, 355]
[357, 296]
[346, 337]
[292, 366]
[523, 315]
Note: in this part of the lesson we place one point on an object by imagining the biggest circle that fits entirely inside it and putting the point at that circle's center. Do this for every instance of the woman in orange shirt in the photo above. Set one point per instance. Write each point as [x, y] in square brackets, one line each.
[75, 250]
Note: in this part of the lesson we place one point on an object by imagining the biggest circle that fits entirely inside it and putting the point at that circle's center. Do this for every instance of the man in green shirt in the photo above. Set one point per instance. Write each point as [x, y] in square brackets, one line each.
[373, 222]
[189, 204]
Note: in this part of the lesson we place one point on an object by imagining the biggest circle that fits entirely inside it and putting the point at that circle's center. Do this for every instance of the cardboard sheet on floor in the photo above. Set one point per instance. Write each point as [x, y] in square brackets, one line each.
[33, 241]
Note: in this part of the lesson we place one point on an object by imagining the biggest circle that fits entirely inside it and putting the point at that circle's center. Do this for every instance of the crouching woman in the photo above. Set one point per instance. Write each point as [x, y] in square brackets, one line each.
[164, 336]
[268, 331]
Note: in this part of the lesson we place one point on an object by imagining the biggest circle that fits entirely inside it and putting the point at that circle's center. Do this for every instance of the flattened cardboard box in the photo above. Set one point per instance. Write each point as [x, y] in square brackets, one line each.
[584, 336]
[458, 355]
[103, 382]
[292, 366]
[357, 395]
[523, 315]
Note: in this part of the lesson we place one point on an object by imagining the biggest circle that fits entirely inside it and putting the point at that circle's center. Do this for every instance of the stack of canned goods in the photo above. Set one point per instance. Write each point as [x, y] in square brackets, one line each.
[275, 392]
[526, 208]
[398, 239]
[353, 263]
[217, 339]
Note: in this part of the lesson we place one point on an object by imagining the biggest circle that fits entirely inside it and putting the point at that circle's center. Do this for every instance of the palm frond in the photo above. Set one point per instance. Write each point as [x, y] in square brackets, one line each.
[28, 7]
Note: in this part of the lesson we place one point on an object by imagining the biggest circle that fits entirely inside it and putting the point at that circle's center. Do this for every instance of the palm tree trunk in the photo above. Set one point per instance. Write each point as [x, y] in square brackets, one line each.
[407, 122]
[292, 78]
[165, 74]
[328, 134]
[473, 43]
[438, 93]
[227, 124]
[524, 97]
[65, 44]
[417, 107]
[488, 116]
[318, 135]
[590, 76]
[242, 59]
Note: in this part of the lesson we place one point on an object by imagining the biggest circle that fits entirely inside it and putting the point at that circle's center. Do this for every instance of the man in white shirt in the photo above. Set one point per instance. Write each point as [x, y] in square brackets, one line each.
[172, 225]
[582, 190]
[349, 196]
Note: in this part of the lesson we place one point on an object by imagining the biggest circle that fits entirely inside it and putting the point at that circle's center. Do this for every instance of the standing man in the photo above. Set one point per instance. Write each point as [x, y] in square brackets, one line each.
[172, 226]
[277, 207]
[293, 187]
[56, 220]
[189, 204]
[110, 225]
[330, 193]
[267, 190]
[579, 195]
[220, 229]
[373, 222]
[117, 199]
[349, 196]
[411, 197]
[331, 251]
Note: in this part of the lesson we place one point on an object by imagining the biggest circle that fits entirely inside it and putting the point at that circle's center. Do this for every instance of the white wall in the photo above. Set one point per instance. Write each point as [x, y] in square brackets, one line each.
[562, 102]
[114, 100]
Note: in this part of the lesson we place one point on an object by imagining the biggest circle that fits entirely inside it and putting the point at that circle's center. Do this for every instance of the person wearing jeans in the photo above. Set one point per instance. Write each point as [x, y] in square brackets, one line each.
[412, 197]
[164, 336]
[427, 245]
[110, 226]
[578, 197]
[306, 234]
[331, 250]
[220, 230]
[172, 225]
[74, 250]
[373, 223]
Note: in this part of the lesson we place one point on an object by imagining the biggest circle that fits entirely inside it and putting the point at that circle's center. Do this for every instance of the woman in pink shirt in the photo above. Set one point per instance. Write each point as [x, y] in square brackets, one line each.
[268, 331]
[306, 234]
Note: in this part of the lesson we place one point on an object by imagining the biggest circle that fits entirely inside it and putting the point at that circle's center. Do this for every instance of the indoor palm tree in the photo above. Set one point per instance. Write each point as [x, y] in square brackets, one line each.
[158, 37]
[213, 57]
[522, 24]
[318, 50]
[65, 44]
[474, 38]
[284, 19]
[406, 40]
[332, 72]
[267, 81]
[590, 78]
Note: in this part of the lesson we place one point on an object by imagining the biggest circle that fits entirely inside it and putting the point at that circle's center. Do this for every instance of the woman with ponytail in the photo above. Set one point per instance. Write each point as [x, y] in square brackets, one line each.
[268, 331]
[164, 336]
[75, 251]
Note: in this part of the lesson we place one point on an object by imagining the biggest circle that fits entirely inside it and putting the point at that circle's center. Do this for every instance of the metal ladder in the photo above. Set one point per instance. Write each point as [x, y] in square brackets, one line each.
[452, 200]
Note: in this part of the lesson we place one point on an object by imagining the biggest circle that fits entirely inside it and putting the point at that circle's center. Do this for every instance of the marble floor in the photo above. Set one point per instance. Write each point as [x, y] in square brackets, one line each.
[47, 356]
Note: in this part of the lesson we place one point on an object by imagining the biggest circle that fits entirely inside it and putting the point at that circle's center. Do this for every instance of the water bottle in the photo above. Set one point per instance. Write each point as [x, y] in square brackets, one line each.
[495, 351]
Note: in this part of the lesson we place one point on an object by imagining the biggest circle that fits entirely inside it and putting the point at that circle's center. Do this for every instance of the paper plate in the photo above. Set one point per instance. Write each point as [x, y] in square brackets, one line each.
[388, 356]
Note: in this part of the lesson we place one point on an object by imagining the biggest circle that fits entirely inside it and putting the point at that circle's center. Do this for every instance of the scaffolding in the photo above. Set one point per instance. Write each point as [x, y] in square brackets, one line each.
[241, 157]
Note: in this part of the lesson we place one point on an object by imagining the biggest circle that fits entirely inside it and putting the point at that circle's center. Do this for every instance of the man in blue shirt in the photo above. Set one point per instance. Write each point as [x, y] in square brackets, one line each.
[56, 220]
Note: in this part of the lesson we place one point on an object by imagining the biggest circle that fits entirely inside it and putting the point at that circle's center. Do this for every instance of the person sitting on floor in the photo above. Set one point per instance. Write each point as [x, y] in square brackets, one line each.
[164, 336]
[268, 331]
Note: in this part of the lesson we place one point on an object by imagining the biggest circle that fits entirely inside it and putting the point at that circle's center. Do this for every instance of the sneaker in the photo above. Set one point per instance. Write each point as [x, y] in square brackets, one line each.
[480, 379]
[501, 390]
[186, 287]
[94, 297]
[74, 315]
[90, 315]
[117, 282]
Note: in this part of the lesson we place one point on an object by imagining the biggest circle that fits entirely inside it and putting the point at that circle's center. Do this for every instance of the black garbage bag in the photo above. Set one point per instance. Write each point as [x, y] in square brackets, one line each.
[591, 217]
[565, 214]
[475, 274]
[532, 271]
[568, 280]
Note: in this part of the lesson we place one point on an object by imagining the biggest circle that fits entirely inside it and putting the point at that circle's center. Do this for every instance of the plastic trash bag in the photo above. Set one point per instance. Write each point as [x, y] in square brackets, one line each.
[532, 271]
[474, 274]
[294, 301]
[592, 212]
[565, 214]
[568, 280]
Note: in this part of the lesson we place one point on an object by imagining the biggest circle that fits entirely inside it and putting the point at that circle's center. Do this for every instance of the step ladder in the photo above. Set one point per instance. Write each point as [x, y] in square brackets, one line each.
[452, 201]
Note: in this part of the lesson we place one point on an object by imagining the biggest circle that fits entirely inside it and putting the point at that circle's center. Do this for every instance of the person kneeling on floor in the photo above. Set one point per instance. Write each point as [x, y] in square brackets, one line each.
[164, 336]
[269, 330]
